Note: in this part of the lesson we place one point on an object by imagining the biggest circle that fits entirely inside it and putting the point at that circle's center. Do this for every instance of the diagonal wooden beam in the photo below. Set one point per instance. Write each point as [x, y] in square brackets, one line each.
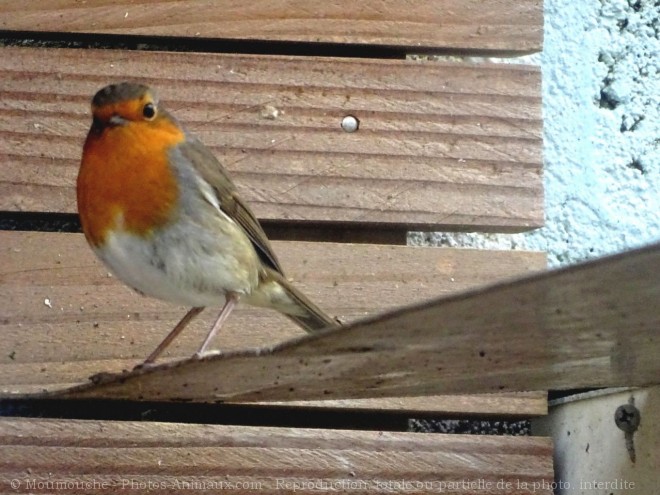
[590, 325]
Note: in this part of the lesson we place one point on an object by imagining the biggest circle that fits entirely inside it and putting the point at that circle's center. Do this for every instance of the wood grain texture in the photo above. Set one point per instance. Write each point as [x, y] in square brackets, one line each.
[64, 319]
[497, 25]
[592, 325]
[509, 405]
[440, 145]
[172, 457]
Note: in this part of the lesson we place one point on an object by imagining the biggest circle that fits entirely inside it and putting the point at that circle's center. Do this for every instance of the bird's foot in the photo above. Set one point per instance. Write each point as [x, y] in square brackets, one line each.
[145, 365]
[102, 377]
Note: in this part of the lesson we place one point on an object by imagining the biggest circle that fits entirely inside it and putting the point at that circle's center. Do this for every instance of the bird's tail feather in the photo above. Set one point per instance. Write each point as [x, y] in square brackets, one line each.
[294, 304]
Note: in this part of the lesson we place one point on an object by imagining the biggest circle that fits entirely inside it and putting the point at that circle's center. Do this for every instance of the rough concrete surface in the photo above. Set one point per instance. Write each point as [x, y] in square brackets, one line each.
[601, 104]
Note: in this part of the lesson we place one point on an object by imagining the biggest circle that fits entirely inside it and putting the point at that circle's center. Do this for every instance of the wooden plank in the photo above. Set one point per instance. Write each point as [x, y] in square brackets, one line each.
[511, 405]
[440, 145]
[96, 324]
[592, 325]
[127, 456]
[501, 25]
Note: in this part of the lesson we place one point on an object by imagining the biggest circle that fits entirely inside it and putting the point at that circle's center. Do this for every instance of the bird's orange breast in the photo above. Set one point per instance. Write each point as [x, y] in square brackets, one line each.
[125, 179]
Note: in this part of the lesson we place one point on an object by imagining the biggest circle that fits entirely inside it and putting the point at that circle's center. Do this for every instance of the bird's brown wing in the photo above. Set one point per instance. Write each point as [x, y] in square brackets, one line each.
[212, 171]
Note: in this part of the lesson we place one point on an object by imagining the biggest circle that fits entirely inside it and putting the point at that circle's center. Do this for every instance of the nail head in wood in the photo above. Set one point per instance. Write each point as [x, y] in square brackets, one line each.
[350, 123]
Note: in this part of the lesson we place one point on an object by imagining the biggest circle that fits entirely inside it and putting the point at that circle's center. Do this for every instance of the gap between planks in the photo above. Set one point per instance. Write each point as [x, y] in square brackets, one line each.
[92, 323]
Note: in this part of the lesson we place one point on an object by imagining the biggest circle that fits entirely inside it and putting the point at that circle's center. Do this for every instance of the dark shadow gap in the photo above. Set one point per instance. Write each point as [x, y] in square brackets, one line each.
[238, 46]
[257, 415]
[173, 412]
[554, 395]
[182, 44]
[40, 222]
[275, 229]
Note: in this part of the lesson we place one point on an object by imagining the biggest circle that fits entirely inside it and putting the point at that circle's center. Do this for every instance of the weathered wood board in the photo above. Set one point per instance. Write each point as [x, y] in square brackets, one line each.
[64, 319]
[592, 325]
[440, 145]
[173, 458]
[500, 26]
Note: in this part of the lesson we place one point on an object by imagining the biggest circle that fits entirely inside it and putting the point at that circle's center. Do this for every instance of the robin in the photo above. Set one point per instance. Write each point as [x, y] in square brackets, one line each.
[162, 213]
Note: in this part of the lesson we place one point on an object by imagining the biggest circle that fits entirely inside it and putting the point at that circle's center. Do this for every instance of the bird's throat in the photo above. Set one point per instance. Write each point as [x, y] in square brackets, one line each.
[126, 181]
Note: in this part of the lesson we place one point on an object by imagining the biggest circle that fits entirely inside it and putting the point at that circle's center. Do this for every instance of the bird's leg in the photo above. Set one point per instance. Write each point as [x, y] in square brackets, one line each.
[188, 317]
[230, 301]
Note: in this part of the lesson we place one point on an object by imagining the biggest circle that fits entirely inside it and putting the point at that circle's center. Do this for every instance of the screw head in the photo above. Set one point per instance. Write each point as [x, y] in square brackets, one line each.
[627, 418]
[350, 123]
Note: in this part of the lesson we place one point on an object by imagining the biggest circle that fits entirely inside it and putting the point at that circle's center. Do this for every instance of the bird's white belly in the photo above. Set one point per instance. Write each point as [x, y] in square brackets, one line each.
[180, 269]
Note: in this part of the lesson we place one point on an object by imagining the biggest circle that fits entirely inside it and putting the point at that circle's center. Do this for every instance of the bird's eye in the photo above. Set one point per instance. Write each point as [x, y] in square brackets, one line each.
[149, 111]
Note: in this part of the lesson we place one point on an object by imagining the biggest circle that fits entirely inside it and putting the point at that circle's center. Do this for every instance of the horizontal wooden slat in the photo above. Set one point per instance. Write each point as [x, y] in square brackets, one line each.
[510, 405]
[593, 325]
[140, 457]
[451, 145]
[97, 324]
[501, 25]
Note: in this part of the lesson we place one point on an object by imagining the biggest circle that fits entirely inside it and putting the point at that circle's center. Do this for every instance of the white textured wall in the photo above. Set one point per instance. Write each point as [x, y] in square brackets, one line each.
[601, 103]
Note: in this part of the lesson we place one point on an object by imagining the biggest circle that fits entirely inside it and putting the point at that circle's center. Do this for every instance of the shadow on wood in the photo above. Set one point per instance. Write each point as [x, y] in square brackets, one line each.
[591, 325]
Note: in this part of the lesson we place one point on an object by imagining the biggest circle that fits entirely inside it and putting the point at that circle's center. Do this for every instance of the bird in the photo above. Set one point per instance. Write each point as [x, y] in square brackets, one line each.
[161, 211]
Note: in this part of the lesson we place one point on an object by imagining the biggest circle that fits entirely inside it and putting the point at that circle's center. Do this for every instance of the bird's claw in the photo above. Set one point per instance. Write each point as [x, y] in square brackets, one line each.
[146, 365]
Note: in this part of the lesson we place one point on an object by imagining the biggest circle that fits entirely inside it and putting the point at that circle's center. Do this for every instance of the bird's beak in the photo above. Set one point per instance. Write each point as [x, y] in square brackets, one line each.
[117, 120]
